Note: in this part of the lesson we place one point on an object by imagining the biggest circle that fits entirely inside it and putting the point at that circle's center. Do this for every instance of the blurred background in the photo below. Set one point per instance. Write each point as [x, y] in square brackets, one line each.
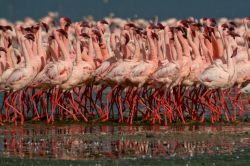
[76, 9]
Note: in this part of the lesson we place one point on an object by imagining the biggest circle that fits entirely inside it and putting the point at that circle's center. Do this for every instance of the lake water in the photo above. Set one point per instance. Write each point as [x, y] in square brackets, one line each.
[77, 9]
[40, 144]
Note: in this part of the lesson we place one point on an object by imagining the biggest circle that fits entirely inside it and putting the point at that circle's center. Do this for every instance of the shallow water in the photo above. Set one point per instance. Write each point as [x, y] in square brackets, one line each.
[106, 144]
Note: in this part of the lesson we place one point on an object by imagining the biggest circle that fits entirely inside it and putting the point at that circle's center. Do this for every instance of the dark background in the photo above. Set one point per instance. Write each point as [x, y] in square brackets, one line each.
[77, 9]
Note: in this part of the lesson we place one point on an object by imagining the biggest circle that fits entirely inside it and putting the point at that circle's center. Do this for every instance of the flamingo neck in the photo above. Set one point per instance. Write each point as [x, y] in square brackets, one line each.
[25, 54]
[138, 55]
[78, 52]
[153, 50]
[246, 41]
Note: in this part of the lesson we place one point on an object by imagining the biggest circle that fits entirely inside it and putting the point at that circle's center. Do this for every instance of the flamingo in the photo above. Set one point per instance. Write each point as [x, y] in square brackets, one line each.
[167, 73]
[177, 66]
[196, 67]
[58, 72]
[81, 70]
[221, 75]
[22, 76]
[140, 73]
[123, 66]
[243, 66]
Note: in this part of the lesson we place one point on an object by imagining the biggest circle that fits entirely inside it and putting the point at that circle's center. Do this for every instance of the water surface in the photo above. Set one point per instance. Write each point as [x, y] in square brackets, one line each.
[106, 144]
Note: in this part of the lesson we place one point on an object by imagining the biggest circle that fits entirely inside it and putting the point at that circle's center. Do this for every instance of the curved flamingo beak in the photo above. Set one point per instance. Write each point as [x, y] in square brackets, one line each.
[155, 36]
[35, 28]
[30, 37]
[65, 22]
[5, 28]
[63, 32]
[84, 24]
[85, 35]
[96, 32]
[51, 37]
[234, 52]
[160, 26]
[9, 28]
[126, 38]
[233, 34]
[233, 24]
[3, 49]
[27, 29]
[45, 26]
[18, 59]
[68, 20]
[9, 42]
[104, 22]
[130, 25]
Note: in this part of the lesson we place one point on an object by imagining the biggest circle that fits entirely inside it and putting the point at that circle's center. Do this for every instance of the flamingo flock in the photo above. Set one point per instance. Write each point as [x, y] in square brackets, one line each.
[124, 71]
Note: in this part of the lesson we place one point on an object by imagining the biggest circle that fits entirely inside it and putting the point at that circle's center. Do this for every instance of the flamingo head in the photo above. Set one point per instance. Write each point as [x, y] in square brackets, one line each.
[63, 32]
[65, 22]
[30, 36]
[3, 50]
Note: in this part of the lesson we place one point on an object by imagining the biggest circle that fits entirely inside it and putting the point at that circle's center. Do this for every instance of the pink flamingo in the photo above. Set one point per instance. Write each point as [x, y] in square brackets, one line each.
[141, 72]
[221, 75]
